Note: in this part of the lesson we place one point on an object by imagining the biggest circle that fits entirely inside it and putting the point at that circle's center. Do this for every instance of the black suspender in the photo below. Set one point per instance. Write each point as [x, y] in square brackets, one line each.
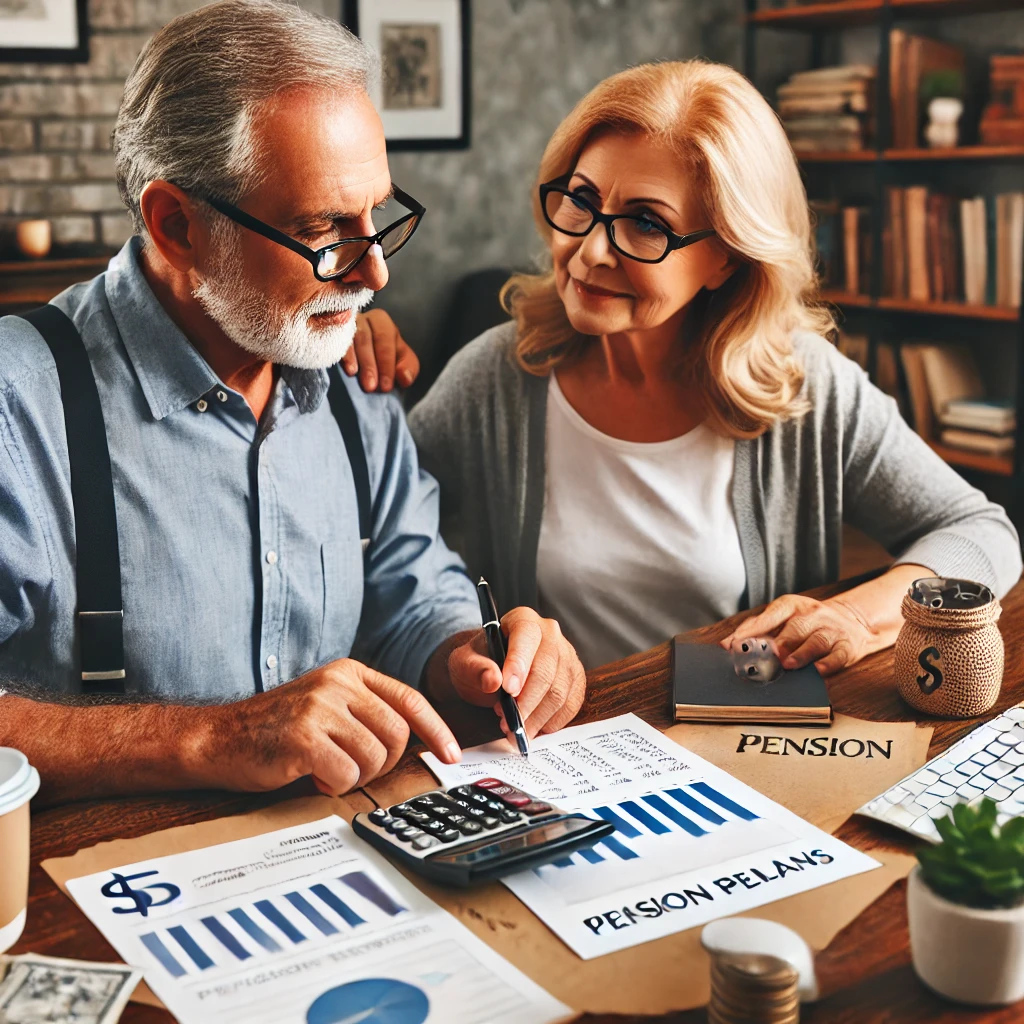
[98, 562]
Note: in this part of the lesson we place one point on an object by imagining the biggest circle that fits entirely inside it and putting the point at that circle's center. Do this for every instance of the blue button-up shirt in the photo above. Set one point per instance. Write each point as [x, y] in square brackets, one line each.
[241, 562]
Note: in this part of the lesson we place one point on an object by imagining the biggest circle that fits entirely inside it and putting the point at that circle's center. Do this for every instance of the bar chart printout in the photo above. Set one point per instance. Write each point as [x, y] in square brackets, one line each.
[305, 925]
[691, 843]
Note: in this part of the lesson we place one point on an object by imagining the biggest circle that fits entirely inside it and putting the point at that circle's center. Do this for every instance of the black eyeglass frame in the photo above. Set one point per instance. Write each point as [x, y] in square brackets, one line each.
[314, 256]
[560, 185]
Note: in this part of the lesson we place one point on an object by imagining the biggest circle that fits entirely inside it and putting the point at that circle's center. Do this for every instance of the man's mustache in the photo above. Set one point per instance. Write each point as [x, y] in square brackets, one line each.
[337, 302]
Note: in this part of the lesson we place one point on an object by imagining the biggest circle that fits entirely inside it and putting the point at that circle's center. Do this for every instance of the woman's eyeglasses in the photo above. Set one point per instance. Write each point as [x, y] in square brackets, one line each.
[635, 236]
[338, 258]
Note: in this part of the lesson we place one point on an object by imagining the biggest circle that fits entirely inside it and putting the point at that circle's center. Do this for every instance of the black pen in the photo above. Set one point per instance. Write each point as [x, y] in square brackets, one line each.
[496, 652]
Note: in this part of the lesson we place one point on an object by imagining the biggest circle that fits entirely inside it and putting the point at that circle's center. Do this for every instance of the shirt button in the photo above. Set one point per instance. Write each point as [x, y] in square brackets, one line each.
[272, 661]
[222, 396]
[271, 558]
[201, 405]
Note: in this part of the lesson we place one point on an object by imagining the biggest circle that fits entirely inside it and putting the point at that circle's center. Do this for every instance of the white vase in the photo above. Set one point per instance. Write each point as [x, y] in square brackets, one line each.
[967, 955]
[943, 127]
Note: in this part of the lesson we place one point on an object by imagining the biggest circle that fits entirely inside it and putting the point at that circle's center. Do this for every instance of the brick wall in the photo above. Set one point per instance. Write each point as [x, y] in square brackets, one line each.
[55, 124]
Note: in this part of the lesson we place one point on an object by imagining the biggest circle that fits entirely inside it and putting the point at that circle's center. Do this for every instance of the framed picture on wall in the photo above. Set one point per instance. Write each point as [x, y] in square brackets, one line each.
[424, 95]
[44, 31]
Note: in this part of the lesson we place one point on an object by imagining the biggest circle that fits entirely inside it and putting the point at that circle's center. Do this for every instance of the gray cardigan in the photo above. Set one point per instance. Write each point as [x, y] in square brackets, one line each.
[481, 433]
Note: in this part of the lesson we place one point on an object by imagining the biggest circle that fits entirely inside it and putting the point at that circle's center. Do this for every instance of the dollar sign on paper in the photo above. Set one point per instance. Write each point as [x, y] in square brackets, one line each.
[932, 678]
[118, 888]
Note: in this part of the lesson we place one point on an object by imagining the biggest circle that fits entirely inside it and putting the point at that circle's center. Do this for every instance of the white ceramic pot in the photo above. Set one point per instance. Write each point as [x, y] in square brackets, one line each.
[967, 955]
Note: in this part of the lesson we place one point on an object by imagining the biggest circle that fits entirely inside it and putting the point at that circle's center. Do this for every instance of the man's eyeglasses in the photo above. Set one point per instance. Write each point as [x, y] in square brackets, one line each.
[338, 258]
[636, 236]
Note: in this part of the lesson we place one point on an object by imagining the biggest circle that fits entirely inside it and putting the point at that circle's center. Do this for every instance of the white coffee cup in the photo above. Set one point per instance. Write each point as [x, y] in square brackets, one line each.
[19, 782]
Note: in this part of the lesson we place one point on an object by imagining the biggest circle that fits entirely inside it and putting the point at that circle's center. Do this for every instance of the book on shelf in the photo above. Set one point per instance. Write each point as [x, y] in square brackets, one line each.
[975, 441]
[828, 109]
[989, 415]
[923, 418]
[1002, 121]
[940, 248]
[856, 250]
[911, 59]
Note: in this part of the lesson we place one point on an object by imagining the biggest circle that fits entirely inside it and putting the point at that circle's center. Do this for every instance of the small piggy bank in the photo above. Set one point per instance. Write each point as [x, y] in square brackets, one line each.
[755, 658]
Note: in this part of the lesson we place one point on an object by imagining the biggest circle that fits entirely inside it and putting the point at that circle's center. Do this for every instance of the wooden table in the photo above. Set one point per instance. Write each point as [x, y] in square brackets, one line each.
[865, 974]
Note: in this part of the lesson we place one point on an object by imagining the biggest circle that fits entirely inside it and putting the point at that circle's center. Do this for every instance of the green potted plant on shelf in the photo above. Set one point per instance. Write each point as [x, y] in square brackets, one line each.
[965, 905]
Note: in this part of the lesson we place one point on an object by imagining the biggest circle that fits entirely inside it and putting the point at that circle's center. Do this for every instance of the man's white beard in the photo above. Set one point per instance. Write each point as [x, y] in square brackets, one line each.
[257, 325]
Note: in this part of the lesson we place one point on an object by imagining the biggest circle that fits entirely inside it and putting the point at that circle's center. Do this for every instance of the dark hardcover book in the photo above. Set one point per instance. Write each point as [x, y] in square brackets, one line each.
[707, 687]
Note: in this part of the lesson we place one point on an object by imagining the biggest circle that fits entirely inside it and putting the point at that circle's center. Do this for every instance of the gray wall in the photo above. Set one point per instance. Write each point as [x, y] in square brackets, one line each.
[532, 60]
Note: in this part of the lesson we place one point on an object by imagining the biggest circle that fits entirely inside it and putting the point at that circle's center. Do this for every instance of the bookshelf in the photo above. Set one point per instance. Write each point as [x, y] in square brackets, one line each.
[883, 313]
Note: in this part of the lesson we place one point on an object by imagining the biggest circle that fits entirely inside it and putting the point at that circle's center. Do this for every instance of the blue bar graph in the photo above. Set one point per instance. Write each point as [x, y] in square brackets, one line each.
[226, 939]
[339, 906]
[275, 917]
[308, 911]
[563, 862]
[253, 930]
[645, 819]
[723, 801]
[362, 883]
[621, 825]
[163, 954]
[661, 805]
[591, 855]
[192, 948]
[620, 850]
[707, 813]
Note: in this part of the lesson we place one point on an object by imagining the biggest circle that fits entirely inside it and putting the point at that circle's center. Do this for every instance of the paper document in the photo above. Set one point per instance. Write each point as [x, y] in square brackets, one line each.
[306, 925]
[691, 842]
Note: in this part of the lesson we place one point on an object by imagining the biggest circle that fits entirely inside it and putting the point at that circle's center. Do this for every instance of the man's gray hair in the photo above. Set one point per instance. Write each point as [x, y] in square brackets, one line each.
[199, 84]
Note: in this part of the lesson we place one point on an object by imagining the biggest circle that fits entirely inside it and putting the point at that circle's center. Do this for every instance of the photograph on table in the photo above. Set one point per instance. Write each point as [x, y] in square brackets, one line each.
[424, 94]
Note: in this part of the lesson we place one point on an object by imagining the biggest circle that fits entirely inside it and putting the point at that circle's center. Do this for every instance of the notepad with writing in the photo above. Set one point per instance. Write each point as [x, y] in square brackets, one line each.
[706, 688]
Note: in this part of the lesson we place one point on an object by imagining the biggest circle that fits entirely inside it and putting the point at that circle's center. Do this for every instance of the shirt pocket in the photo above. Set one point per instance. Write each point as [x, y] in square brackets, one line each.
[342, 567]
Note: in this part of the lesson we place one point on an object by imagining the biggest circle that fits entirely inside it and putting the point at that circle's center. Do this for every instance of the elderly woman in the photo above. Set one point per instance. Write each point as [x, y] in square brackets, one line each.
[663, 437]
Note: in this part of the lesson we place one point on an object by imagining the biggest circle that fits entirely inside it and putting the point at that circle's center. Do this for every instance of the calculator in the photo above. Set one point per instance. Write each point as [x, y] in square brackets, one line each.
[476, 832]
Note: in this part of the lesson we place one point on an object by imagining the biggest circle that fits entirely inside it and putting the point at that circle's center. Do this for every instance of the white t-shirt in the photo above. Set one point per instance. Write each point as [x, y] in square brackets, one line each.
[638, 541]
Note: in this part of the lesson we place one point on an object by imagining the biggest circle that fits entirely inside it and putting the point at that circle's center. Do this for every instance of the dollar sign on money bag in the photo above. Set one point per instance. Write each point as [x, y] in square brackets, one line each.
[932, 678]
[118, 888]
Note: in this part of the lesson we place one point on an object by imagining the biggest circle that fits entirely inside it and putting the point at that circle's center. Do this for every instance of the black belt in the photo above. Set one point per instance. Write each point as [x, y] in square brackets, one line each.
[98, 561]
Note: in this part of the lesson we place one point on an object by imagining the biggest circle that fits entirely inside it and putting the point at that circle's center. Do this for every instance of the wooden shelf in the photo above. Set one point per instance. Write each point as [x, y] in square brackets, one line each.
[836, 157]
[843, 13]
[957, 153]
[1003, 314]
[836, 14]
[999, 465]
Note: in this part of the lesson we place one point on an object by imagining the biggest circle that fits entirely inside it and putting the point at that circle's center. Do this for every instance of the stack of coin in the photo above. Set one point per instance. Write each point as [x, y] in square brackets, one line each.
[751, 988]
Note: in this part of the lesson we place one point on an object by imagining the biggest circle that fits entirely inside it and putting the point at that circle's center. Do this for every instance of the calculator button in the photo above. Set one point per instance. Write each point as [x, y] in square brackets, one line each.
[425, 843]
[386, 822]
[410, 834]
[449, 836]
[379, 816]
[477, 812]
[478, 798]
[490, 822]
[425, 802]
[509, 816]
[509, 795]
[456, 819]
[465, 804]
[417, 817]
[470, 828]
[435, 828]
[397, 826]
[399, 810]
[462, 791]
[488, 783]
[495, 805]
[535, 808]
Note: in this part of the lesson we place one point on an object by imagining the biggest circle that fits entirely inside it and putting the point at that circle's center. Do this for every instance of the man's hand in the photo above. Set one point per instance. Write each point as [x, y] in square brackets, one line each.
[344, 724]
[379, 354]
[541, 671]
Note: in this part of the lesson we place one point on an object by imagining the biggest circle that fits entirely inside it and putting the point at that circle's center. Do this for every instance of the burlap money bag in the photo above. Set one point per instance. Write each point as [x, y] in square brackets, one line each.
[949, 661]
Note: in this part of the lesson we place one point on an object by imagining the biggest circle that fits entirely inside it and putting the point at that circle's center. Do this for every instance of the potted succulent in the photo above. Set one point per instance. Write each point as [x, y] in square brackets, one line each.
[965, 904]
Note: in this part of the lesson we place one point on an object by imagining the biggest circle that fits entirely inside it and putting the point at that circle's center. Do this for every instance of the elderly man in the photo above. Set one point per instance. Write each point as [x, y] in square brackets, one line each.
[253, 165]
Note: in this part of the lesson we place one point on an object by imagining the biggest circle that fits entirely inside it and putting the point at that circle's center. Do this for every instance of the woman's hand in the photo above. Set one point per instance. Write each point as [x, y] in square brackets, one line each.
[380, 354]
[836, 633]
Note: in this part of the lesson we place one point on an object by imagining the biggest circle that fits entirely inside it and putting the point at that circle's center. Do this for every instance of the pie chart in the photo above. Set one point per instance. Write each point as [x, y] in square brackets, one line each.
[370, 1001]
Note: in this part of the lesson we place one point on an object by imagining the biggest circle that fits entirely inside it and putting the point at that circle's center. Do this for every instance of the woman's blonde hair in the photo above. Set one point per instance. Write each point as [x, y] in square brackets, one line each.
[749, 184]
